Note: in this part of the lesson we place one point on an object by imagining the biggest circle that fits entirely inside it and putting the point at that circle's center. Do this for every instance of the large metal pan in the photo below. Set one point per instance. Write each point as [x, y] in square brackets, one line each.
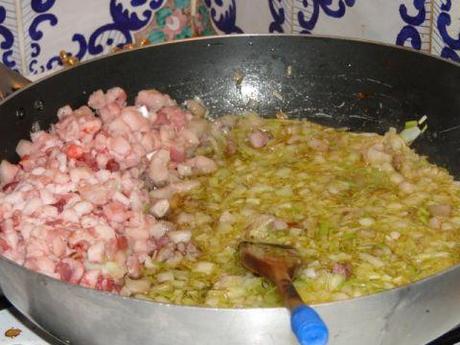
[360, 85]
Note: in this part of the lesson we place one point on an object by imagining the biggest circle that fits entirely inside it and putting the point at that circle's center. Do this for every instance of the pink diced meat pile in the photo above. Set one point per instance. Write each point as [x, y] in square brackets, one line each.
[77, 205]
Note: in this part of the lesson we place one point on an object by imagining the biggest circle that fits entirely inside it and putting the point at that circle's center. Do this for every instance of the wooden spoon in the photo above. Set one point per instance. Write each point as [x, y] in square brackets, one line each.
[278, 263]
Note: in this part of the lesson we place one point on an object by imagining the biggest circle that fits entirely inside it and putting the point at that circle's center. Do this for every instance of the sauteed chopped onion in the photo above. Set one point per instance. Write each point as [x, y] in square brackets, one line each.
[365, 212]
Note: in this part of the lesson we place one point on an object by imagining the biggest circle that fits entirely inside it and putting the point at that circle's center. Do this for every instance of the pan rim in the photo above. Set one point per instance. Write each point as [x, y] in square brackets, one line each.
[396, 290]
[230, 37]
[40, 276]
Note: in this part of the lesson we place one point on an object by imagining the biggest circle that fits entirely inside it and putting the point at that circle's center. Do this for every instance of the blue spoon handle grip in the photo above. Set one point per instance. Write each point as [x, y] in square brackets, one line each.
[308, 326]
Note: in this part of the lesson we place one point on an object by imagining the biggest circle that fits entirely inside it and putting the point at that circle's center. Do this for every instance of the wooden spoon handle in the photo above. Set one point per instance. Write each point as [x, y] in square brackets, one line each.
[289, 293]
[306, 324]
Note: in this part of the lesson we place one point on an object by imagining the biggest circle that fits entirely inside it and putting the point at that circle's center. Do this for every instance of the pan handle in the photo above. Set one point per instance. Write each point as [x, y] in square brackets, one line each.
[10, 81]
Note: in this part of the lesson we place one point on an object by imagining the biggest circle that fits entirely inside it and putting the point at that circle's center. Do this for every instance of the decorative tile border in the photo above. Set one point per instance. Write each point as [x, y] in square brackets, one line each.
[446, 37]
[281, 16]
[307, 13]
[33, 32]
[416, 32]
[9, 46]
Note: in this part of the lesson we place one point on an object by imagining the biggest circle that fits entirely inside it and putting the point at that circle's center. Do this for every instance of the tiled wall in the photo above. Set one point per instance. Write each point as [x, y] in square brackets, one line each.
[9, 46]
[32, 32]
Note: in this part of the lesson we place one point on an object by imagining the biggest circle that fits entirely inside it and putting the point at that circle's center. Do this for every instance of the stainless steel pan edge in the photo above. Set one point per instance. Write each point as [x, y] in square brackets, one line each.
[414, 314]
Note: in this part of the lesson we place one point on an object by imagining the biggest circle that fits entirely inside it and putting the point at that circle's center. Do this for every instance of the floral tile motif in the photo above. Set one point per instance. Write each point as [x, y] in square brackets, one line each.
[446, 31]
[178, 19]
[83, 28]
[402, 22]
[308, 15]
[417, 17]
[9, 46]
[240, 16]
[282, 13]
[33, 32]
[97, 27]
